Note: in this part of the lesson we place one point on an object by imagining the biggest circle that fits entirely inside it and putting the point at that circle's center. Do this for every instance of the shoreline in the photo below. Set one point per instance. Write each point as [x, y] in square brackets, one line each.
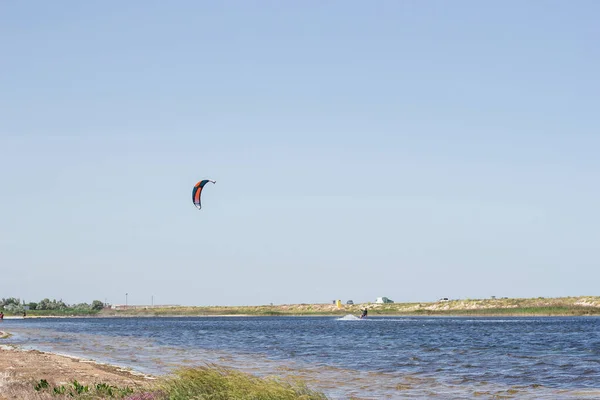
[336, 315]
[23, 368]
[490, 307]
[36, 375]
[117, 369]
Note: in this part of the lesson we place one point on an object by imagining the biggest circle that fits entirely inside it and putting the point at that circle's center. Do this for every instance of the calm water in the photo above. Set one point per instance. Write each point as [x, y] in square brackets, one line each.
[379, 357]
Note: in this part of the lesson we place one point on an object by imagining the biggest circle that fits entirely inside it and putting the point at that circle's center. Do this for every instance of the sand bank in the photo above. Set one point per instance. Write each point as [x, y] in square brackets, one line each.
[21, 369]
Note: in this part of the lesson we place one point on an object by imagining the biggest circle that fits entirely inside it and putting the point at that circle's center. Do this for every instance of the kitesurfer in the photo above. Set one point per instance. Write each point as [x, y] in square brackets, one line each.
[364, 313]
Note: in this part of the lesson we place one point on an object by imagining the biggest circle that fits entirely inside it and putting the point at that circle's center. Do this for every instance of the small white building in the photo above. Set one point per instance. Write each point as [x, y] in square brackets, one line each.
[382, 300]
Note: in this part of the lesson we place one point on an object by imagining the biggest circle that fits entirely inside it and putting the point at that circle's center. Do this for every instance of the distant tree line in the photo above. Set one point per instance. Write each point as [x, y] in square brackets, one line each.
[15, 305]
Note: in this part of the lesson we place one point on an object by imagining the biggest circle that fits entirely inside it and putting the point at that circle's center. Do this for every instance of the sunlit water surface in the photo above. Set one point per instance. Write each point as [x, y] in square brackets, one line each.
[374, 358]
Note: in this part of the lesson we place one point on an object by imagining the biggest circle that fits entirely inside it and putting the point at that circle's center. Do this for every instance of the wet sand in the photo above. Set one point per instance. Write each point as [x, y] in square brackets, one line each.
[21, 369]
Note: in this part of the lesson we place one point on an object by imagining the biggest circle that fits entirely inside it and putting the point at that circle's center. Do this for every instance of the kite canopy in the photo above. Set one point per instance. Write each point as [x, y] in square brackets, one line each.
[197, 191]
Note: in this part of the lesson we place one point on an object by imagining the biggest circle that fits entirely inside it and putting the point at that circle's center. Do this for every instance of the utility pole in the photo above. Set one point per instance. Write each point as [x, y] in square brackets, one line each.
[126, 299]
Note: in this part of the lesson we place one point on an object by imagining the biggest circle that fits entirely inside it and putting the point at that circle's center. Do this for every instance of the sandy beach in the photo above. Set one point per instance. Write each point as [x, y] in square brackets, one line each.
[21, 369]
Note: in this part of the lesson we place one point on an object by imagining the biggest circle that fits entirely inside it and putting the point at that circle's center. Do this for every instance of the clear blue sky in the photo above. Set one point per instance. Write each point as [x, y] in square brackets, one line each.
[408, 149]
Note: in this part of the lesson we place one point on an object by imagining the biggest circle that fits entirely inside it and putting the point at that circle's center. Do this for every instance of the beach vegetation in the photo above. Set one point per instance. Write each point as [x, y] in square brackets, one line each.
[220, 383]
[204, 382]
[47, 307]
[47, 304]
[13, 308]
[79, 390]
[97, 305]
[11, 305]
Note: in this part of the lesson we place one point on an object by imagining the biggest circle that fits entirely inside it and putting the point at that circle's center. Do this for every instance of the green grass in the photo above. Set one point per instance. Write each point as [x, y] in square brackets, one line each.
[81, 391]
[57, 313]
[206, 382]
[219, 383]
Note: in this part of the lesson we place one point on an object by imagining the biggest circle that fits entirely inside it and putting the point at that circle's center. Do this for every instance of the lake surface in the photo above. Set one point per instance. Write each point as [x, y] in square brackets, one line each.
[375, 358]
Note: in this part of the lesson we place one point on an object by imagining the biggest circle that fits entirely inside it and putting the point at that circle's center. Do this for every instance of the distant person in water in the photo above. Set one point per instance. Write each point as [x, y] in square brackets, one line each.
[364, 313]
[1, 315]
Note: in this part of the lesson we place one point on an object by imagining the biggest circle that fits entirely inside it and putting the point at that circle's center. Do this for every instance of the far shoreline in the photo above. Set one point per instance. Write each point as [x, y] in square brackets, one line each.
[581, 306]
[517, 315]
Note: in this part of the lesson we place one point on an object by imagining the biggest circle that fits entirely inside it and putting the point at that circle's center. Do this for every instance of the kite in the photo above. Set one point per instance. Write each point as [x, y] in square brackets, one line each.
[197, 191]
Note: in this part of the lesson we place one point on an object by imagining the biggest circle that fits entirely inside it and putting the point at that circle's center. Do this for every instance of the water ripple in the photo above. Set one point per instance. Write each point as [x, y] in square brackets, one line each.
[374, 358]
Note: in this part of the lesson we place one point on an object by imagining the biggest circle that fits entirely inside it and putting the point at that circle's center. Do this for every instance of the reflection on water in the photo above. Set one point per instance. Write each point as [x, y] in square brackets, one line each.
[374, 358]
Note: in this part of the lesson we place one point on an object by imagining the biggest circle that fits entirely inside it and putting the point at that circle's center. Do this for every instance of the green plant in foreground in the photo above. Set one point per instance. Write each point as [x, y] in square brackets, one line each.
[112, 391]
[79, 388]
[59, 390]
[76, 389]
[219, 383]
[42, 384]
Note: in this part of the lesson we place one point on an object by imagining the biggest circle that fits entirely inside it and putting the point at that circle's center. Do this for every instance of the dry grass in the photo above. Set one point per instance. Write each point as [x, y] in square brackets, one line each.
[12, 388]
[583, 305]
[208, 382]
[218, 383]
